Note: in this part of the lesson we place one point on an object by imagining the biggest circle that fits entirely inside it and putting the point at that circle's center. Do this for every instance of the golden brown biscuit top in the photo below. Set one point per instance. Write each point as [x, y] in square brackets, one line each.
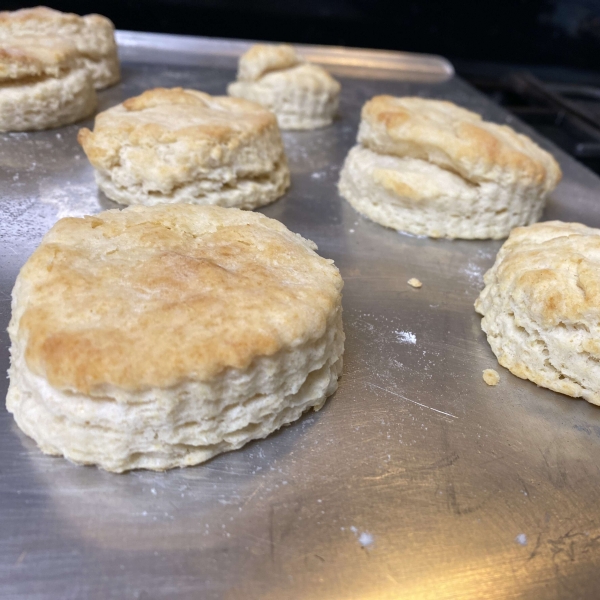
[93, 35]
[155, 296]
[264, 58]
[27, 57]
[456, 139]
[552, 271]
[212, 130]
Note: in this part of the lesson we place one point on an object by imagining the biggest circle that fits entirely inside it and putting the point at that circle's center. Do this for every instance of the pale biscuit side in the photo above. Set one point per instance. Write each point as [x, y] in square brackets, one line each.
[184, 426]
[416, 196]
[42, 84]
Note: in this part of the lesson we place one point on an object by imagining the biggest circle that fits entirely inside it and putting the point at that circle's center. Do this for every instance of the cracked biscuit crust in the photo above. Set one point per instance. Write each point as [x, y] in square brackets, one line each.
[157, 337]
[541, 307]
[176, 145]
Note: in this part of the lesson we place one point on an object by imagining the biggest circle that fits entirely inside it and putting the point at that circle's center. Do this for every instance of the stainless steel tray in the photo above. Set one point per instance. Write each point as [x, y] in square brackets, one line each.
[416, 480]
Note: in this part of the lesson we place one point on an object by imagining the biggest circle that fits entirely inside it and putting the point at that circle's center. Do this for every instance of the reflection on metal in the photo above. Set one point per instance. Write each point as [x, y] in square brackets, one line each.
[416, 480]
[349, 62]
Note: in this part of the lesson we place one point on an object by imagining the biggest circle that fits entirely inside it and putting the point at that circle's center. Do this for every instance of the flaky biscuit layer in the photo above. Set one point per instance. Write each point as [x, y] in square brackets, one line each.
[45, 102]
[541, 307]
[416, 196]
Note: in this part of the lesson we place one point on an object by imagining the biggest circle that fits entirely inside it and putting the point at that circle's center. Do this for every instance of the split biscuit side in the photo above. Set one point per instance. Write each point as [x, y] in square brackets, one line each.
[432, 168]
[541, 307]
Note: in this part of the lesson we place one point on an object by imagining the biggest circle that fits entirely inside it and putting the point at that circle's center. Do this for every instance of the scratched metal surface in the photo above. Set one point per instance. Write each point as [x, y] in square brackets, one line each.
[416, 480]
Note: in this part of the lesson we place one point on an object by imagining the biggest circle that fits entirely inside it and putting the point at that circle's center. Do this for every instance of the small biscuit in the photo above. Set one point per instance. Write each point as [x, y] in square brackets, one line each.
[541, 307]
[158, 337]
[184, 146]
[302, 95]
[43, 84]
[92, 35]
[432, 168]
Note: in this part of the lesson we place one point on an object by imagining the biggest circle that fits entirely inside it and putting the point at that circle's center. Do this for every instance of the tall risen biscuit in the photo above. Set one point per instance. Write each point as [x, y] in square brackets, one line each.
[157, 337]
[302, 95]
[433, 168]
[541, 307]
[42, 84]
[92, 36]
[176, 145]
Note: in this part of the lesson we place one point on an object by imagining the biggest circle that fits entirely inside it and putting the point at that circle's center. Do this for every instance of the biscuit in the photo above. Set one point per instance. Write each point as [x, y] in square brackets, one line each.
[42, 84]
[92, 35]
[302, 95]
[432, 168]
[158, 337]
[175, 145]
[541, 307]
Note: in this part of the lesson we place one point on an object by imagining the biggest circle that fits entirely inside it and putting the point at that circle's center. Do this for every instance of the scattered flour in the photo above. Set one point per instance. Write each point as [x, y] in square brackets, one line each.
[521, 539]
[475, 273]
[405, 337]
[74, 200]
[365, 539]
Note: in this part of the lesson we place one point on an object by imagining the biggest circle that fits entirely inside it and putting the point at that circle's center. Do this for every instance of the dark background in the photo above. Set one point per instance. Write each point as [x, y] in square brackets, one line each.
[527, 32]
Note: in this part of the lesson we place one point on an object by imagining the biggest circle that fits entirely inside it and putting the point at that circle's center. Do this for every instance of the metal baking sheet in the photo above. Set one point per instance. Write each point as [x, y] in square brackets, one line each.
[416, 480]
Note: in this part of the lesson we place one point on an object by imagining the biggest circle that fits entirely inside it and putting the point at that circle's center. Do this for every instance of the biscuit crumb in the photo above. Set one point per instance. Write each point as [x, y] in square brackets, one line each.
[491, 377]
[414, 282]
